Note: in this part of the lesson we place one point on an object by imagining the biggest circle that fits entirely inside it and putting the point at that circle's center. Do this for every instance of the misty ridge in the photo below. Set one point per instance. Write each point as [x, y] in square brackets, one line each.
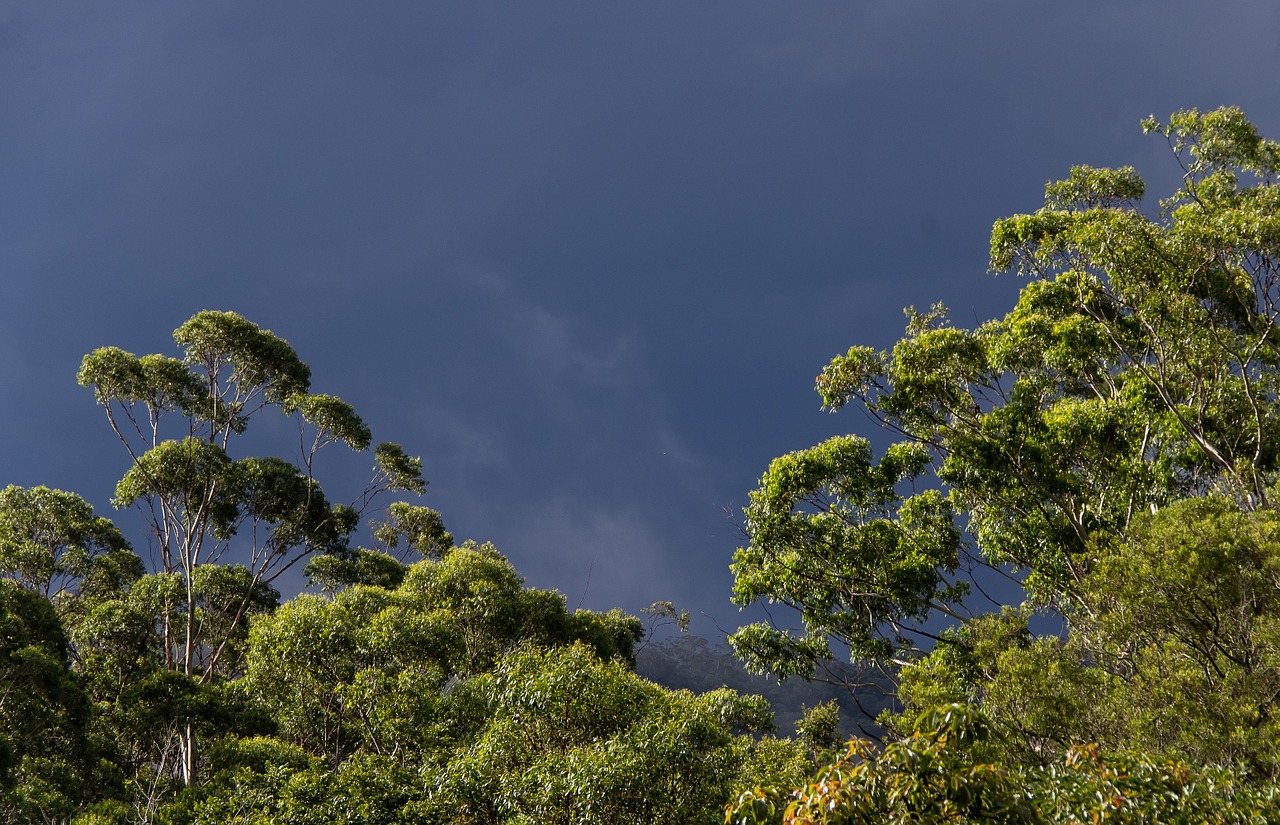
[691, 662]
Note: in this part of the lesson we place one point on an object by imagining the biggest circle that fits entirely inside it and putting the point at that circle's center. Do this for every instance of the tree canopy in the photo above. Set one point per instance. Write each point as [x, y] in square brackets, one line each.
[1109, 446]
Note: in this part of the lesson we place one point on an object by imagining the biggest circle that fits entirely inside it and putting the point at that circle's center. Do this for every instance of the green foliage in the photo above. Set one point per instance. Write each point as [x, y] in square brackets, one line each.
[51, 540]
[413, 693]
[356, 672]
[1175, 654]
[406, 530]
[461, 696]
[176, 419]
[689, 662]
[927, 778]
[1039, 694]
[1112, 443]
[250, 364]
[364, 671]
[832, 538]
[1186, 304]
[574, 738]
[46, 759]
[479, 587]
[1091, 188]
[160, 384]
[1185, 611]
[333, 572]
[1139, 365]
[1089, 787]
[665, 614]
[819, 729]
[117, 636]
[937, 774]
[225, 595]
[334, 420]
[397, 470]
[420, 528]
[195, 475]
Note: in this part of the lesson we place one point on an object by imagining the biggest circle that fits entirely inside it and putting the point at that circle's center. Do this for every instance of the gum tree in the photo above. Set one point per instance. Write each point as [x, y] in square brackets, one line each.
[51, 539]
[179, 420]
[1139, 367]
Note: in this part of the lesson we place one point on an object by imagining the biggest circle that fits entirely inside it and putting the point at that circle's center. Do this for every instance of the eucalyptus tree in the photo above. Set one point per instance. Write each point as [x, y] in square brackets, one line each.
[567, 733]
[178, 419]
[1140, 366]
[50, 539]
[366, 669]
[1176, 656]
[568, 737]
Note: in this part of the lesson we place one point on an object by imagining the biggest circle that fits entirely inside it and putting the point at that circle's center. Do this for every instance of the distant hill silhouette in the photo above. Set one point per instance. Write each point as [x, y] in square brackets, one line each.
[691, 662]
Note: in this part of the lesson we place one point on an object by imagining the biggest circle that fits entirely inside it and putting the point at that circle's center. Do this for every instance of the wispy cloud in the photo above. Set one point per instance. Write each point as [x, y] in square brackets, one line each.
[558, 354]
[600, 557]
[462, 442]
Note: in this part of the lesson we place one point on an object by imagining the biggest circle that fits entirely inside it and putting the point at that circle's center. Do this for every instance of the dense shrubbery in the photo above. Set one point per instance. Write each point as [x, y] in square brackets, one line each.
[948, 771]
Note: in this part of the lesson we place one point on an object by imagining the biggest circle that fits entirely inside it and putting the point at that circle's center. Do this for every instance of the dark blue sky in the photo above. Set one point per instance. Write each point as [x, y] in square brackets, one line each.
[584, 257]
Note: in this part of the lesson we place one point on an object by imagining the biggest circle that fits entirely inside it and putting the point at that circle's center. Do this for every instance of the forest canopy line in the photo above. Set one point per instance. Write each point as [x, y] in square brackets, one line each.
[1111, 444]
[422, 683]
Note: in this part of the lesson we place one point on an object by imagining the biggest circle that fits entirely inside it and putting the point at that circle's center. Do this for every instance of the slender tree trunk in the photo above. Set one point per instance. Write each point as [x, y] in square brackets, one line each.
[187, 743]
[187, 751]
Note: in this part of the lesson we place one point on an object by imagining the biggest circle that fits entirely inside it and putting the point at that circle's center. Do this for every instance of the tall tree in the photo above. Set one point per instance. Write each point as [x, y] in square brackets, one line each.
[1140, 366]
[177, 419]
